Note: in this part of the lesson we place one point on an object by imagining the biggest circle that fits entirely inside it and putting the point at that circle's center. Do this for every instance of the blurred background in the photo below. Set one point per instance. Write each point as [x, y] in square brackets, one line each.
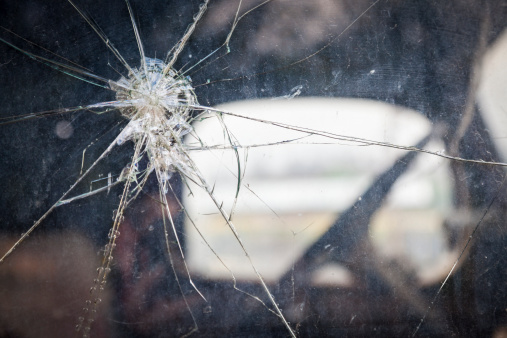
[352, 239]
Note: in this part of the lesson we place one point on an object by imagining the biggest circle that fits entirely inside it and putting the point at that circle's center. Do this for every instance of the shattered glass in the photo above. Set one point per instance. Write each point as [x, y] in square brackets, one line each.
[343, 173]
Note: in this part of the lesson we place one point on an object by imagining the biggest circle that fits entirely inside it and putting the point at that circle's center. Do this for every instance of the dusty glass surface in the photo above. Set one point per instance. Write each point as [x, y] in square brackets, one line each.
[343, 174]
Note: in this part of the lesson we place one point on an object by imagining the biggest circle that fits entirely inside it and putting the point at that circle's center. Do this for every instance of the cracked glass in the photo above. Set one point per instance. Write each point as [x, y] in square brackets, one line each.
[252, 168]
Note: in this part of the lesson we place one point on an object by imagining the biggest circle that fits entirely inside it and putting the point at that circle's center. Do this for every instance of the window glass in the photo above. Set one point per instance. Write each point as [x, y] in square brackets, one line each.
[257, 168]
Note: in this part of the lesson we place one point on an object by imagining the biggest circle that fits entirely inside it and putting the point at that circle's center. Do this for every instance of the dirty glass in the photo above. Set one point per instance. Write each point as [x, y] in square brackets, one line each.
[320, 168]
